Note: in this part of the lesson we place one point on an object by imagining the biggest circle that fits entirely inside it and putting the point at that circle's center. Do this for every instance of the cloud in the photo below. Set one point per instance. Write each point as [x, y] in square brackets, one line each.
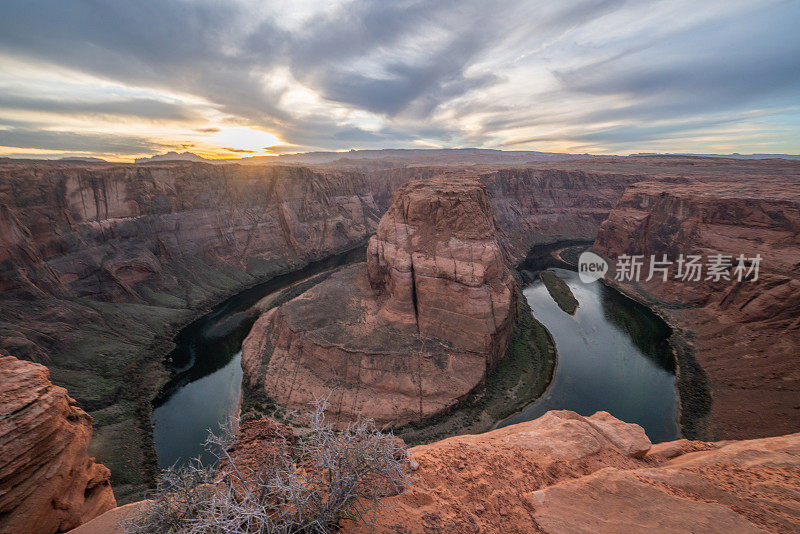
[541, 75]
[145, 108]
[78, 142]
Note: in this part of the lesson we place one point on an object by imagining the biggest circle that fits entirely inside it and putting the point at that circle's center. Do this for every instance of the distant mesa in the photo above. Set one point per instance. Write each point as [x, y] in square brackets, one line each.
[415, 156]
[174, 156]
[84, 159]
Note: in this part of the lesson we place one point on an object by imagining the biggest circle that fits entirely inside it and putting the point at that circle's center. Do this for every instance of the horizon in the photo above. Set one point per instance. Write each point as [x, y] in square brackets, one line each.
[175, 156]
[262, 79]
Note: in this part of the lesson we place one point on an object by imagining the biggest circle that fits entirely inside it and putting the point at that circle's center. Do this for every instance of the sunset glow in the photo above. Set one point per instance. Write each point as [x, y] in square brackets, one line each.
[229, 80]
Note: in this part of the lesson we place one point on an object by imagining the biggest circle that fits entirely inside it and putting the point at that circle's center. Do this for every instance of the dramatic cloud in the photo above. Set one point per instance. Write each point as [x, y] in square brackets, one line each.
[601, 76]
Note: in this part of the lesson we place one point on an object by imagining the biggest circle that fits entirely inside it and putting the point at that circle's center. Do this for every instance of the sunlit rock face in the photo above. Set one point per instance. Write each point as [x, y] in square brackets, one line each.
[48, 483]
[408, 334]
[566, 473]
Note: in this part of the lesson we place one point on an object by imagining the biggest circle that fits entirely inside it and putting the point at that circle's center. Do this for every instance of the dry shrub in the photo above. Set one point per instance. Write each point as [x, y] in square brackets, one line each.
[326, 477]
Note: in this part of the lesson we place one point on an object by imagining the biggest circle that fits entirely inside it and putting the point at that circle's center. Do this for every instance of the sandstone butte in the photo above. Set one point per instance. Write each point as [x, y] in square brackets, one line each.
[565, 473]
[48, 483]
[407, 335]
[744, 334]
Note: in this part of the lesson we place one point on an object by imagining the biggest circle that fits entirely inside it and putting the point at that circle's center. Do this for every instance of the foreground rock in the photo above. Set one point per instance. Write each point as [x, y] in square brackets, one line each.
[407, 335]
[744, 334]
[48, 483]
[565, 473]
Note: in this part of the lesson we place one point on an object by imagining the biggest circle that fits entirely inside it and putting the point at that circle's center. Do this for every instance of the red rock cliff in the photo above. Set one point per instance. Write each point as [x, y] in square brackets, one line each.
[437, 260]
[745, 334]
[47, 482]
[410, 333]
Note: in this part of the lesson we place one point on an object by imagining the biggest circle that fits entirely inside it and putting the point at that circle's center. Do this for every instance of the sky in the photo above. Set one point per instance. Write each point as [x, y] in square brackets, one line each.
[120, 80]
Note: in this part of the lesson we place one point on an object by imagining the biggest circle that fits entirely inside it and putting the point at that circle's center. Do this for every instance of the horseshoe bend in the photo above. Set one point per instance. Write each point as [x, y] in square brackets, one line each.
[429, 326]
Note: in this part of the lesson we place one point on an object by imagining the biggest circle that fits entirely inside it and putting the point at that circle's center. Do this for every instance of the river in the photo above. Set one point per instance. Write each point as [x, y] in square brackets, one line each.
[613, 355]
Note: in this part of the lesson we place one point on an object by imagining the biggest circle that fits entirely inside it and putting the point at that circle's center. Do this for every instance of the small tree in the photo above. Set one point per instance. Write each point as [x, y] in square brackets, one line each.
[328, 476]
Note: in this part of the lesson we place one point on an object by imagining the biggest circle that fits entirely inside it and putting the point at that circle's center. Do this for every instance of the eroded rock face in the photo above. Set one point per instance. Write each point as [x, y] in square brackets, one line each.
[543, 206]
[745, 333]
[48, 483]
[565, 473]
[407, 335]
[437, 260]
[99, 263]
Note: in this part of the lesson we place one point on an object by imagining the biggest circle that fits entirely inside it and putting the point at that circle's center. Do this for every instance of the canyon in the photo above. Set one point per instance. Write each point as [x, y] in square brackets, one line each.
[101, 264]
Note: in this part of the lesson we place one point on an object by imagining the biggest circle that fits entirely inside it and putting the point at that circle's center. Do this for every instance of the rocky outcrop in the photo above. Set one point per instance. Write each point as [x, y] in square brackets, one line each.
[48, 483]
[409, 334]
[565, 473]
[744, 333]
[437, 261]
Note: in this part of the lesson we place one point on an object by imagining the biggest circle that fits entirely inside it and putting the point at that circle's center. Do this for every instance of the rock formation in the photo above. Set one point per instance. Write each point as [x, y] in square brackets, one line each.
[410, 333]
[437, 260]
[565, 473]
[99, 263]
[744, 334]
[48, 483]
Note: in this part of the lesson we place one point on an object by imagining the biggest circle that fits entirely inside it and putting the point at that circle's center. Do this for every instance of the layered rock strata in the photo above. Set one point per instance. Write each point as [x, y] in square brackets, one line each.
[408, 334]
[98, 263]
[744, 333]
[48, 483]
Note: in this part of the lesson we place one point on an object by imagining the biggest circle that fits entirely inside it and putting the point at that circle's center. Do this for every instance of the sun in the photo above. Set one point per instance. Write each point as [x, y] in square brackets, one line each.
[240, 140]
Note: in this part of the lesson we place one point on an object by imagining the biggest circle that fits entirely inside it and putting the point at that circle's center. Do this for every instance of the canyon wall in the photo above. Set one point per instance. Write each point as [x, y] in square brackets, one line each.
[99, 263]
[744, 333]
[543, 206]
[48, 483]
[406, 336]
